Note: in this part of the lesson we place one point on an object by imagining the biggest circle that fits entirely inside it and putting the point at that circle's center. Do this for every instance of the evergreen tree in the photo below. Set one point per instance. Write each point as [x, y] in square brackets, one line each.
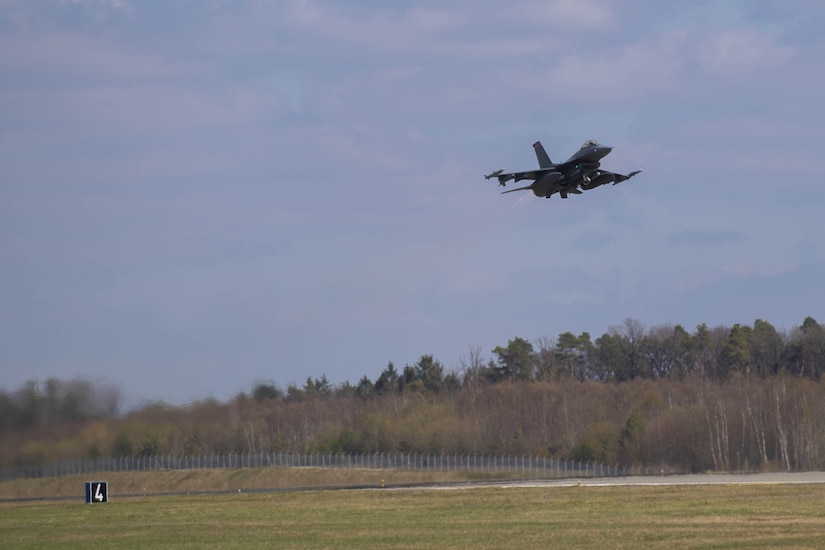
[515, 362]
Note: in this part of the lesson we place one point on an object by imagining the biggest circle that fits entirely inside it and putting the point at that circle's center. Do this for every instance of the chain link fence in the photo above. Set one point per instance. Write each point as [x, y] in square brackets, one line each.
[525, 467]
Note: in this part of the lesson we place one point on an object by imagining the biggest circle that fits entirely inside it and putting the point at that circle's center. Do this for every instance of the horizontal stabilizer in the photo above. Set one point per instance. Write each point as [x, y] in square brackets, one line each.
[530, 187]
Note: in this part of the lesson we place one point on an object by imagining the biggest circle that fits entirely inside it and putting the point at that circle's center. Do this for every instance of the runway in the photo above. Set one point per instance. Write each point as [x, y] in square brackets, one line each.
[774, 478]
[690, 479]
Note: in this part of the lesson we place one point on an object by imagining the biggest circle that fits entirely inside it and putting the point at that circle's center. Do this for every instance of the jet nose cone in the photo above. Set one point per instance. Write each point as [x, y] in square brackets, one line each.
[601, 150]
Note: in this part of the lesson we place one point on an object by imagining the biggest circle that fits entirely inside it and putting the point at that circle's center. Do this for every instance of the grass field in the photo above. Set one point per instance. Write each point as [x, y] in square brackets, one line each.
[195, 481]
[754, 516]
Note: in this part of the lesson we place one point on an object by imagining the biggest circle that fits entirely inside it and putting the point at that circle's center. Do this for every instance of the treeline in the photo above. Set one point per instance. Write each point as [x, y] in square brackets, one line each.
[41, 405]
[727, 398]
[626, 352]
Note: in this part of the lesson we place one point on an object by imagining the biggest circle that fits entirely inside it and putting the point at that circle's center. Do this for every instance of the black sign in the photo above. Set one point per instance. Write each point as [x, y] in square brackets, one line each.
[97, 491]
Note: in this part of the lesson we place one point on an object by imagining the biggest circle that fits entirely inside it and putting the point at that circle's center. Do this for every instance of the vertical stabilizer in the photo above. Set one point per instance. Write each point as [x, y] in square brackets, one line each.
[541, 154]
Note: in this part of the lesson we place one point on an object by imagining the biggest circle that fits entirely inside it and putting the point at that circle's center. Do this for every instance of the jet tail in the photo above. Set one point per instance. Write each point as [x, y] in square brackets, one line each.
[541, 155]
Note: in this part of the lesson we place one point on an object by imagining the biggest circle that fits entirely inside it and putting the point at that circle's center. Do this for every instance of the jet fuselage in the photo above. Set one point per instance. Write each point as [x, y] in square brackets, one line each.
[579, 172]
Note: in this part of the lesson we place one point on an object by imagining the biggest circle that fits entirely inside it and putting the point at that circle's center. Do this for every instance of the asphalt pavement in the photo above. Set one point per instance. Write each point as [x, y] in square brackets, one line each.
[690, 479]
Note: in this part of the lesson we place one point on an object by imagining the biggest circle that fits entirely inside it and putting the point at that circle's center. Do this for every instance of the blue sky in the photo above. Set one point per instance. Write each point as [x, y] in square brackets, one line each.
[198, 195]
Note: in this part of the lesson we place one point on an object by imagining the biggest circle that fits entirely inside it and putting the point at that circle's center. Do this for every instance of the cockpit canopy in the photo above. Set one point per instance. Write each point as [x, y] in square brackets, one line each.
[589, 143]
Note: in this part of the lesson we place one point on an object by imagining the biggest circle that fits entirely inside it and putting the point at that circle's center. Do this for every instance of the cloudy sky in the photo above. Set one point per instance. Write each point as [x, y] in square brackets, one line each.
[199, 195]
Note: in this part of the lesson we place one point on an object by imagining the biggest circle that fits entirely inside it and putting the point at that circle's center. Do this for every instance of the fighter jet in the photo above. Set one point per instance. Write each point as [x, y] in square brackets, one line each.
[579, 172]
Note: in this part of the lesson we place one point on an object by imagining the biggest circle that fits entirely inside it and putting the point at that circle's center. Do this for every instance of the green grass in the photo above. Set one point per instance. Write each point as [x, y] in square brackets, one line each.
[754, 516]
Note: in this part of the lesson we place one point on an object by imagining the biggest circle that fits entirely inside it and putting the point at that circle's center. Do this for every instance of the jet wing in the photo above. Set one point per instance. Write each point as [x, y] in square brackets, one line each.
[534, 175]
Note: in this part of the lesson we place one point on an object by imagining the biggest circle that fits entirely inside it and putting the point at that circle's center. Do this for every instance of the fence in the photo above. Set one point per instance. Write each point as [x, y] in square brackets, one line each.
[525, 467]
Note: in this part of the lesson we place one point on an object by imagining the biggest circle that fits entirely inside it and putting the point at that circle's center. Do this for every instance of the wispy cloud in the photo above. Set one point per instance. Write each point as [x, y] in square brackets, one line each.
[566, 15]
[742, 51]
[704, 237]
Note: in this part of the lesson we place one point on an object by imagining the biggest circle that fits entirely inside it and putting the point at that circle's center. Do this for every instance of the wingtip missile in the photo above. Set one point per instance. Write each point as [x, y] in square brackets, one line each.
[494, 174]
[627, 177]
